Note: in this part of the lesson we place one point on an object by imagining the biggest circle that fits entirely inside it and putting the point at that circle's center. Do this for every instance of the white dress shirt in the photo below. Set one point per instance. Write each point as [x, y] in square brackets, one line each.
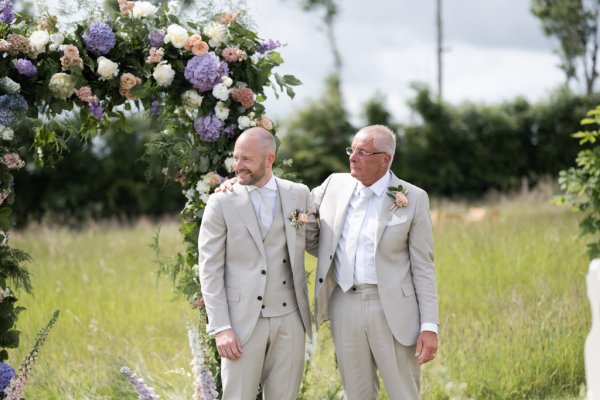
[365, 271]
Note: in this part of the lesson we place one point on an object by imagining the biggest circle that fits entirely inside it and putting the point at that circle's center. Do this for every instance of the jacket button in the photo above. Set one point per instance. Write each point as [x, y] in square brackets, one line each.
[320, 280]
[263, 306]
[263, 272]
[259, 298]
[284, 304]
[284, 282]
[330, 257]
[284, 261]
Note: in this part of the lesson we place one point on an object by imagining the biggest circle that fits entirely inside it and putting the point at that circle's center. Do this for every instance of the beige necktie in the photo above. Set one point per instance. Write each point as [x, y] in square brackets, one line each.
[354, 227]
[265, 214]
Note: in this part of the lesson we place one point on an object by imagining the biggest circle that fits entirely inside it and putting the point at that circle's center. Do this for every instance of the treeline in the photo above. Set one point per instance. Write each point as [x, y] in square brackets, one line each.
[458, 151]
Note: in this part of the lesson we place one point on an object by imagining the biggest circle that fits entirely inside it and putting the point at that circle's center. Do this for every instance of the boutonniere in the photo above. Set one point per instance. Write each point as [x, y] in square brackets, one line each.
[298, 218]
[398, 193]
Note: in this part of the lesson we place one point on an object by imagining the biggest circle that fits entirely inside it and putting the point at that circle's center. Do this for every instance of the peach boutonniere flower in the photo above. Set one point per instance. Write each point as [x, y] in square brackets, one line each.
[298, 218]
[398, 193]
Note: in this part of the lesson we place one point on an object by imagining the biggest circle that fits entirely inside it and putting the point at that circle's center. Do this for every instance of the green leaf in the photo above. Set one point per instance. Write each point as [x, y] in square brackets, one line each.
[292, 80]
[5, 213]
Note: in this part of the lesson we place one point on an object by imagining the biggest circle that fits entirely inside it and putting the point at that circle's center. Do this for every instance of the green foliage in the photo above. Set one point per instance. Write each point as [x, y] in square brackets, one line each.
[317, 136]
[575, 24]
[468, 150]
[580, 185]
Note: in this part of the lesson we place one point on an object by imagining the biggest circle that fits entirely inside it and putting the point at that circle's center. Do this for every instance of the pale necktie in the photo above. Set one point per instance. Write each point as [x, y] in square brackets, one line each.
[354, 226]
[265, 214]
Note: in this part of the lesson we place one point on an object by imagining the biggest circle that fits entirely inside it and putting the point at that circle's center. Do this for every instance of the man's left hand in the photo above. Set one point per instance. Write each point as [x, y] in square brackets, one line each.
[427, 346]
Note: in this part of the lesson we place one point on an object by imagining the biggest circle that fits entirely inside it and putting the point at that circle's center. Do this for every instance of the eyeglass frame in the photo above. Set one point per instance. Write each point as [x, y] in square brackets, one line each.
[362, 153]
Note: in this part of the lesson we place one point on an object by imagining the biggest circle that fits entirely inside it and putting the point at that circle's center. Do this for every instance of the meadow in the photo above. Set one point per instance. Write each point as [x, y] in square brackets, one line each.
[513, 306]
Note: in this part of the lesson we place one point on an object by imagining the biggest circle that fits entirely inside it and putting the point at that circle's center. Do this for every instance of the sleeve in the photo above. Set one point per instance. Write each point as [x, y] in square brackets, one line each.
[211, 262]
[313, 226]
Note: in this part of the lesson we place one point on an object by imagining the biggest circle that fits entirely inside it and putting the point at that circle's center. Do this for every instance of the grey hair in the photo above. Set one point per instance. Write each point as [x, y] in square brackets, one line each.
[384, 139]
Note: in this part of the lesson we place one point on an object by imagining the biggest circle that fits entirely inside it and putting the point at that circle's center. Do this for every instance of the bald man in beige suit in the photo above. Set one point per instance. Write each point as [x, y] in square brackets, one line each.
[375, 275]
[251, 260]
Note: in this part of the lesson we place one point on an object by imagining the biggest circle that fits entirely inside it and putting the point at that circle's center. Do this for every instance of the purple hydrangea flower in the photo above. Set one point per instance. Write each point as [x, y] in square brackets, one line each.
[6, 374]
[99, 38]
[268, 45]
[229, 131]
[156, 38]
[156, 109]
[96, 109]
[12, 108]
[205, 71]
[209, 128]
[7, 14]
[25, 67]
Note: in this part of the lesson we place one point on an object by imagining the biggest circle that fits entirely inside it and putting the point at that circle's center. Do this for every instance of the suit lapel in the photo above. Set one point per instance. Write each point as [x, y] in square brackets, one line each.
[245, 209]
[343, 201]
[287, 199]
[384, 213]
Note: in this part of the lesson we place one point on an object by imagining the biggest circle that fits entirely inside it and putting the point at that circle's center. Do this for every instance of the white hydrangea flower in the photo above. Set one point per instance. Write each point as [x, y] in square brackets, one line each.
[9, 86]
[191, 99]
[163, 74]
[244, 122]
[220, 91]
[173, 7]
[107, 69]
[176, 35]
[143, 9]
[221, 111]
[228, 164]
[189, 194]
[56, 39]
[38, 41]
[200, 187]
[6, 133]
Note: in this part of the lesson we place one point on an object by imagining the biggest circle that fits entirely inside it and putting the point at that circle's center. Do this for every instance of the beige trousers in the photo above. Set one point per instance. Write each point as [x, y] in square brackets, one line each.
[364, 344]
[273, 357]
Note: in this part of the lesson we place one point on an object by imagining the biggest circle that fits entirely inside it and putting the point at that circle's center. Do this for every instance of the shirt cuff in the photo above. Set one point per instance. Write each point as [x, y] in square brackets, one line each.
[218, 330]
[428, 326]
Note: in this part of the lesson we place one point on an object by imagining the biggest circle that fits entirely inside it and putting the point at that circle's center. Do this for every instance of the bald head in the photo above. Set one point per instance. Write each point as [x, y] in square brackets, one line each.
[259, 138]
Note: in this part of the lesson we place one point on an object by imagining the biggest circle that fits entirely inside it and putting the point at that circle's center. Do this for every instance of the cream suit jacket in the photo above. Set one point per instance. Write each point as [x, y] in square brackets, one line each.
[231, 257]
[403, 256]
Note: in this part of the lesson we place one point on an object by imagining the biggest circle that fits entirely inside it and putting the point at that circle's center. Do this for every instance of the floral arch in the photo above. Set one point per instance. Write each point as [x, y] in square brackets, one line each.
[204, 81]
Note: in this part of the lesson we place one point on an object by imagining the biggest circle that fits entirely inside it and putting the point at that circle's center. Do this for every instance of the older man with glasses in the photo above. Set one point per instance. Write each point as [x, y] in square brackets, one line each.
[375, 275]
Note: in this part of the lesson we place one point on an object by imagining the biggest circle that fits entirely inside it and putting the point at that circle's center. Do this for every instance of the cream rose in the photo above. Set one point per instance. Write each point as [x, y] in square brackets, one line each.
[107, 69]
[143, 9]
[191, 99]
[38, 41]
[216, 32]
[61, 85]
[176, 35]
[163, 74]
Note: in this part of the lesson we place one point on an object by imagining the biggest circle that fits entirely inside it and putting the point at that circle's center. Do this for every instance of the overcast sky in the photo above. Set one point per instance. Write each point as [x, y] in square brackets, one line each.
[495, 50]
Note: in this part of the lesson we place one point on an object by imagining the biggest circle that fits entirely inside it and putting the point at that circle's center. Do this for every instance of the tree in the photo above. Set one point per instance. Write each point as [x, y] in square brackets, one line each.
[318, 135]
[575, 24]
[581, 184]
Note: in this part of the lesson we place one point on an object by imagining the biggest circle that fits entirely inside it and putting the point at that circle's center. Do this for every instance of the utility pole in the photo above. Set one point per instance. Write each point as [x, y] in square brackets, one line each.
[440, 48]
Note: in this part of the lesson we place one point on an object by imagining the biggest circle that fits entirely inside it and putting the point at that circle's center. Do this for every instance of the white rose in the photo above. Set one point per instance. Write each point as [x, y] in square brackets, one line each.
[221, 111]
[56, 39]
[106, 68]
[61, 85]
[163, 74]
[191, 99]
[221, 92]
[38, 41]
[244, 122]
[6, 133]
[229, 164]
[143, 9]
[216, 32]
[176, 35]
[227, 81]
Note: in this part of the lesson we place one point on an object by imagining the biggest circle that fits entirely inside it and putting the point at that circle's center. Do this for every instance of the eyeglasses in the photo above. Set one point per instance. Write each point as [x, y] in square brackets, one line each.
[360, 153]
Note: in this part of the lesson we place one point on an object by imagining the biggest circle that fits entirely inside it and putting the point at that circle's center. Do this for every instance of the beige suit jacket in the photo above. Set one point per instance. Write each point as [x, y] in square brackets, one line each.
[403, 257]
[232, 255]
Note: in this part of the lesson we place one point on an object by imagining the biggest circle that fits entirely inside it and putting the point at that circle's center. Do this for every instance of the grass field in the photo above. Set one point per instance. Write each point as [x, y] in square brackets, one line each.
[513, 305]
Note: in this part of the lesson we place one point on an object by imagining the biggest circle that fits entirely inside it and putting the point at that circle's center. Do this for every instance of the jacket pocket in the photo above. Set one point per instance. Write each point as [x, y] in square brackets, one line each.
[408, 289]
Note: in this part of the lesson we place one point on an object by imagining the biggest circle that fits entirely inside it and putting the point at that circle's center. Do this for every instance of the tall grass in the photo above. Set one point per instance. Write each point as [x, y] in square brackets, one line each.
[513, 305]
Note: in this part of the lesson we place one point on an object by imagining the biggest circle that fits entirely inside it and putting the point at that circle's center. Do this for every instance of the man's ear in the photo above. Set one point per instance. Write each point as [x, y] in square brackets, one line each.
[270, 159]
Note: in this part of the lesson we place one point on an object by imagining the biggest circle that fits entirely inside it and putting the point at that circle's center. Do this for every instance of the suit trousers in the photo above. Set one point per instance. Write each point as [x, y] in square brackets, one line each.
[364, 343]
[273, 357]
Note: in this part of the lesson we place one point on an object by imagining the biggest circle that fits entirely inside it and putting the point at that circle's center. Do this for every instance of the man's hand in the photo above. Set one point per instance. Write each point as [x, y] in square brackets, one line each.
[427, 346]
[227, 186]
[228, 344]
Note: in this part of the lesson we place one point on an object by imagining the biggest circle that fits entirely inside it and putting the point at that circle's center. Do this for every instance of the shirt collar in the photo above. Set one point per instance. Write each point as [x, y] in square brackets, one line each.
[271, 185]
[379, 186]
